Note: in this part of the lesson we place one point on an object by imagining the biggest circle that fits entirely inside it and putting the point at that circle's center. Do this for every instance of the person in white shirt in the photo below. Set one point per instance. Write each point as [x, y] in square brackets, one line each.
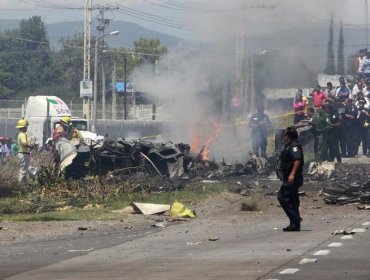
[359, 86]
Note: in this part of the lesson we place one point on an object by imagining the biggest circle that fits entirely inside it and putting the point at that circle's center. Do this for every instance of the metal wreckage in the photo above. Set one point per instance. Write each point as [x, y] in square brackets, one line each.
[120, 158]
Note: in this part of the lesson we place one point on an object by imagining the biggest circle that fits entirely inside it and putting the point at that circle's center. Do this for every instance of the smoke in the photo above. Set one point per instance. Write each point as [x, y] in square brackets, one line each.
[196, 82]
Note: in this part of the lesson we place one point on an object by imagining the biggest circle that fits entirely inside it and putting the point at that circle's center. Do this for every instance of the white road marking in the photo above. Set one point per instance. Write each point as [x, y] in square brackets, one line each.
[347, 237]
[366, 224]
[335, 244]
[322, 253]
[289, 271]
[304, 261]
[357, 230]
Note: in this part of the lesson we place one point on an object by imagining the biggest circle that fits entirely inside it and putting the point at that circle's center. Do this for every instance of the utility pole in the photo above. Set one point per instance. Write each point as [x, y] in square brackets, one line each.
[114, 92]
[102, 25]
[367, 22]
[125, 89]
[103, 90]
[87, 45]
[240, 72]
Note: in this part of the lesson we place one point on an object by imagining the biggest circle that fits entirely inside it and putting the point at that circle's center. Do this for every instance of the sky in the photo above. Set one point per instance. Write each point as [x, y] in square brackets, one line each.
[185, 18]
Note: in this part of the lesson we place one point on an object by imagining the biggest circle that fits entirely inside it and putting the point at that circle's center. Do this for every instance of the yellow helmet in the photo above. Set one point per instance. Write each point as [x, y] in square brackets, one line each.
[22, 123]
[66, 120]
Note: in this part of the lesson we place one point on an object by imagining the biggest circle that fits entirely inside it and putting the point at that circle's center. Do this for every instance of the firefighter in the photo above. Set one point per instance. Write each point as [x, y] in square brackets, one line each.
[25, 148]
[64, 129]
[290, 167]
[259, 124]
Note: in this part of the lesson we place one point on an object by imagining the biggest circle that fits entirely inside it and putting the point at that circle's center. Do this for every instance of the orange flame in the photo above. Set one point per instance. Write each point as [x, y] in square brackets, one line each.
[197, 138]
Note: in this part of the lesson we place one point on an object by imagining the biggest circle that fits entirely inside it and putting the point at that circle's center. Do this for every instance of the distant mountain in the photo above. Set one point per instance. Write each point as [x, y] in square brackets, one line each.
[129, 32]
[8, 24]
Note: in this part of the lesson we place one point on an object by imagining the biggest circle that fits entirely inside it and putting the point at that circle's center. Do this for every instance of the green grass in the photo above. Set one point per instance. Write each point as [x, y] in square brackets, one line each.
[13, 209]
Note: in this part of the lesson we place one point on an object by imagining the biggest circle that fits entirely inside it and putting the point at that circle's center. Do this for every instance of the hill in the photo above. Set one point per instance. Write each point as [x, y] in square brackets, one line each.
[129, 32]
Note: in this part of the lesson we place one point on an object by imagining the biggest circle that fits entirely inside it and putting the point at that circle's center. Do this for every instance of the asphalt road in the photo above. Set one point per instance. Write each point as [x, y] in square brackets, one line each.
[245, 247]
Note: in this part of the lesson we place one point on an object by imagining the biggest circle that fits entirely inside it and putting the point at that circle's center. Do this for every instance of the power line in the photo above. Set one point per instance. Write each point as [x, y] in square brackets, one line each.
[148, 19]
[163, 6]
[48, 5]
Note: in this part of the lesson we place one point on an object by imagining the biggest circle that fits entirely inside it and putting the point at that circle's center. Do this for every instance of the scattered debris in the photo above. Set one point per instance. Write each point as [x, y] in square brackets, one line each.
[210, 181]
[348, 184]
[3, 228]
[321, 169]
[82, 228]
[302, 193]
[180, 210]
[363, 207]
[344, 232]
[149, 208]
[214, 238]
[82, 250]
[160, 225]
[193, 243]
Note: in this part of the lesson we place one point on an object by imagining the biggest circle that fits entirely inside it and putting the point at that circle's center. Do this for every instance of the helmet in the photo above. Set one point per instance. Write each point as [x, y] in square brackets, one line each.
[66, 120]
[22, 123]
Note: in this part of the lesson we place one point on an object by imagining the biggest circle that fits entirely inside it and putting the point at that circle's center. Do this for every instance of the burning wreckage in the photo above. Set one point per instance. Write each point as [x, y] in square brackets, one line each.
[122, 159]
[119, 157]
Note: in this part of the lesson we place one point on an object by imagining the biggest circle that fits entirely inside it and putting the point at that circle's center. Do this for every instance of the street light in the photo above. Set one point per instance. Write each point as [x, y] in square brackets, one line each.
[95, 87]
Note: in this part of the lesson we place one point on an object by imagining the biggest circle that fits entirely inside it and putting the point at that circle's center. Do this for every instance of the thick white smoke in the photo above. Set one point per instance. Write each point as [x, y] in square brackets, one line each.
[194, 81]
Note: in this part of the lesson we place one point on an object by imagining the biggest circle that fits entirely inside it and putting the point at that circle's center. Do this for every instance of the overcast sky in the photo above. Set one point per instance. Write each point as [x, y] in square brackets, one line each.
[172, 16]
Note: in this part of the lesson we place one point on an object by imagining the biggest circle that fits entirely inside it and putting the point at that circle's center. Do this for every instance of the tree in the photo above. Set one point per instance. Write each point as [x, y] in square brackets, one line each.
[25, 57]
[149, 50]
[70, 62]
[341, 69]
[330, 65]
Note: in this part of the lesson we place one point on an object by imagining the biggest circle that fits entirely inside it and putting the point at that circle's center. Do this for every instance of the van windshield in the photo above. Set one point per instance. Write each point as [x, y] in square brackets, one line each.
[80, 125]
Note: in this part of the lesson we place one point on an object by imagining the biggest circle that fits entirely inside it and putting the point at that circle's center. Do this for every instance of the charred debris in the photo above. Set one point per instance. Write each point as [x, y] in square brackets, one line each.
[119, 158]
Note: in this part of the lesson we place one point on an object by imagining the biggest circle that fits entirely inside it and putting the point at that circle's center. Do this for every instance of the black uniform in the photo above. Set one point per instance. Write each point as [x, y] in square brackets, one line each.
[351, 128]
[288, 194]
[363, 131]
[259, 124]
[333, 136]
[342, 134]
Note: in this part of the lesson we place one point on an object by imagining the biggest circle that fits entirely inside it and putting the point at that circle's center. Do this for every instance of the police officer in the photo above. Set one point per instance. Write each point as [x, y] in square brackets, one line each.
[333, 133]
[290, 166]
[362, 126]
[259, 124]
[351, 128]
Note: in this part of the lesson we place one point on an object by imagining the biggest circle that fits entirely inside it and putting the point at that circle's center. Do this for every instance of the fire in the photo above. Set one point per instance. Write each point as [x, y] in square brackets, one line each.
[208, 134]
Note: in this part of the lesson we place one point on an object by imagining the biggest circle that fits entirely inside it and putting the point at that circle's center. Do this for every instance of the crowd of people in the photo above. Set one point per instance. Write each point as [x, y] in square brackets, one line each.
[340, 118]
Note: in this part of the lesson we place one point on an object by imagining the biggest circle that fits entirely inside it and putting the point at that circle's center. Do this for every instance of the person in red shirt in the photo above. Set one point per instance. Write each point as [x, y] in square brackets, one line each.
[318, 97]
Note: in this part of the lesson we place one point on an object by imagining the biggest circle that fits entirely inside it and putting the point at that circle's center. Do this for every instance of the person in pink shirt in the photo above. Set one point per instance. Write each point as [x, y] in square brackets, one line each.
[300, 105]
[318, 97]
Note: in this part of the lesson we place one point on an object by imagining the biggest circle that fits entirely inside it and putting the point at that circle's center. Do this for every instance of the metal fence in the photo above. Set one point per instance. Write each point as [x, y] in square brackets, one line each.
[16, 109]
